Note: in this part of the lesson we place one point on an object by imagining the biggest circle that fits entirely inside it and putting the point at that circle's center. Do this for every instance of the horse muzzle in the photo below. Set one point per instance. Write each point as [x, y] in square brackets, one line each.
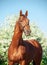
[27, 32]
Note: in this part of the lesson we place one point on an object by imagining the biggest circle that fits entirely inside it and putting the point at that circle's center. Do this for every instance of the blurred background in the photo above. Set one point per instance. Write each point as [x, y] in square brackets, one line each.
[9, 14]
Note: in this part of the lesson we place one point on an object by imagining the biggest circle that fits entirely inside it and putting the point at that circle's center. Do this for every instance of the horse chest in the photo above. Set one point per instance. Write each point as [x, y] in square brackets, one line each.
[17, 54]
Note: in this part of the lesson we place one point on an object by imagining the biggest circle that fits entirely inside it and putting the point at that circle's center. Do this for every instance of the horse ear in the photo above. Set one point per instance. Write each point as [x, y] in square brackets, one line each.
[26, 14]
[20, 12]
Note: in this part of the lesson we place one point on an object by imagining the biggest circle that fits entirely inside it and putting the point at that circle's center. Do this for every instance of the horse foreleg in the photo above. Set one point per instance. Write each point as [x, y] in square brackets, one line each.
[10, 63]
[24, 63]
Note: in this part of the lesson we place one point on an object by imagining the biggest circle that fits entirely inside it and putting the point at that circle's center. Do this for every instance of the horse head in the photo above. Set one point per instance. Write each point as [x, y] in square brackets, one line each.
[24, 23]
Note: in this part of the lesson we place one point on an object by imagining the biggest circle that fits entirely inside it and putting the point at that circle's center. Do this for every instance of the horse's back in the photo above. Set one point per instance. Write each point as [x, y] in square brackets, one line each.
[34, 47]
[35, 43]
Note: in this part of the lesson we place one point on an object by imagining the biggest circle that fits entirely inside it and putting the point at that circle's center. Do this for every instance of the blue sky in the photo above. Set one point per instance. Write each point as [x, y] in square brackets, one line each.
[37, 10]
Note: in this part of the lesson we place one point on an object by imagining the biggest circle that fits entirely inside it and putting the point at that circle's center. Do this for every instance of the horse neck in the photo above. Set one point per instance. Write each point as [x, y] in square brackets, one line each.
[17, 37]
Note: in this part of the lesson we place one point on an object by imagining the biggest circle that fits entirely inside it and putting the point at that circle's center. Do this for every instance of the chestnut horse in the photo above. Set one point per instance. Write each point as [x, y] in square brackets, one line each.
[23, 51]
